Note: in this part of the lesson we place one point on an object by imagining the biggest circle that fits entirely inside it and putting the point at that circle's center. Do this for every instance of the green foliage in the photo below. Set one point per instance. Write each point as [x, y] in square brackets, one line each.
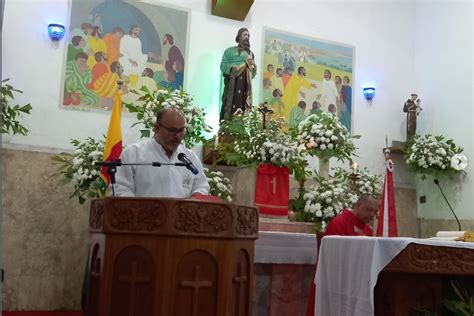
[78, 168]
[463, 304]
[11, 113]
[151, 102]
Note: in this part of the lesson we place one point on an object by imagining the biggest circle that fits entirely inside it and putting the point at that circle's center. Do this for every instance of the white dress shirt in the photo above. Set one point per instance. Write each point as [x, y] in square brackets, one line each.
[164, 181]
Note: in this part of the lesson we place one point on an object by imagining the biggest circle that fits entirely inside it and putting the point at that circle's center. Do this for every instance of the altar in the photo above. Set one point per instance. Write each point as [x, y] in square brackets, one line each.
[368, 266]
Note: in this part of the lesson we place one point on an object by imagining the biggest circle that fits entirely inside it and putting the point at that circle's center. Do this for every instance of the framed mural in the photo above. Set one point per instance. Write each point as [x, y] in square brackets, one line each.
[302, 76]
[141, 43]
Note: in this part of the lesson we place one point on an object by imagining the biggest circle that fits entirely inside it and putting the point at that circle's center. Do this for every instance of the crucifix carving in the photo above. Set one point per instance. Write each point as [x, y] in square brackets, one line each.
[263, 108]
[195, 284]
[241, 279]
[133, 279]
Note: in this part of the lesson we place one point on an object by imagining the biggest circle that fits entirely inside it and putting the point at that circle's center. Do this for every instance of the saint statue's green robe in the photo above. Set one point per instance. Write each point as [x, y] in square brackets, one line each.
[237, 83]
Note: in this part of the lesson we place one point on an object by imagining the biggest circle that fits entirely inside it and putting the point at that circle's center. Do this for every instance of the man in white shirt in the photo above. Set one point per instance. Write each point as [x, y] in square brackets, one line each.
[165, 181]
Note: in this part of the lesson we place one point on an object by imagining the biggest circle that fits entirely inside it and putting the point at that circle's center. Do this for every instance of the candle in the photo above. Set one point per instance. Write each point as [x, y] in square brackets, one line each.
[354, 167]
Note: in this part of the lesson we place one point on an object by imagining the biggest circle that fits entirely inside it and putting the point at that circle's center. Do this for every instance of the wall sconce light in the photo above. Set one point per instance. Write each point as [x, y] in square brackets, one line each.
[369, 93]
[56, 31]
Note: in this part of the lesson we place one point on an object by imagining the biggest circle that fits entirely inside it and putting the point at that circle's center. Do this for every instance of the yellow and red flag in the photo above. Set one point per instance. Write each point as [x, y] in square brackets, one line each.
[113, 142]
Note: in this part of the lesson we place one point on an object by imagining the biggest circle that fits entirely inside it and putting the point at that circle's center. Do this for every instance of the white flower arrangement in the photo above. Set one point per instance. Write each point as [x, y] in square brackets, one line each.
[430, 154]
[367, 182]
[280, 151]
[150, 103]
[250, 143]
[324, 137]
[248, 136]
[220, 185]
[78, 167]
[328, 197]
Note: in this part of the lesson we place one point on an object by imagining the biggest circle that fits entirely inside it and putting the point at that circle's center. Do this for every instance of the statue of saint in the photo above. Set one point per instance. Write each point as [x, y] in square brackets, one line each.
[412, 108]
[238, 68]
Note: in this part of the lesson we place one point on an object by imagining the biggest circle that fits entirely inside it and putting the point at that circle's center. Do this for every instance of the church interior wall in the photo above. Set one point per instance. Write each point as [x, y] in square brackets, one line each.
[443, 40]
[392, 47]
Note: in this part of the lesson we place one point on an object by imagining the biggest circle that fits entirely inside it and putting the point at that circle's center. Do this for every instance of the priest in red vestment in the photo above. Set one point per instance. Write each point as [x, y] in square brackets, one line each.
[355, 222]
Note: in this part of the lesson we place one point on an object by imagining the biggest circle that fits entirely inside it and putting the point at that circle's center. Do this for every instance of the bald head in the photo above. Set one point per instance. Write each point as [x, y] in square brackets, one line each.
[170, 128]
[366, 208]
[168, 112]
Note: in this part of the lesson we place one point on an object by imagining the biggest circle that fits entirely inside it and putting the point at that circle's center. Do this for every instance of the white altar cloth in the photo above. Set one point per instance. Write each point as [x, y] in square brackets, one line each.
[285, 248]
[348, 268]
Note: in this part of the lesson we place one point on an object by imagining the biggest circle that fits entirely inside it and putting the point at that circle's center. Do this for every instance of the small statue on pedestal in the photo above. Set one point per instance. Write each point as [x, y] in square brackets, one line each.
[412, 108]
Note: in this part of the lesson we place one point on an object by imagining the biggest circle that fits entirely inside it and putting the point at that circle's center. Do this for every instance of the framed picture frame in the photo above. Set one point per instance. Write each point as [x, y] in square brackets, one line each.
[303, 75]
[140, 43]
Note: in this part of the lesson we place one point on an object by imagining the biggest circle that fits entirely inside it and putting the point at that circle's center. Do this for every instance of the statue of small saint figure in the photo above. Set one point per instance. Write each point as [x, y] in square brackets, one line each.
[412, 108]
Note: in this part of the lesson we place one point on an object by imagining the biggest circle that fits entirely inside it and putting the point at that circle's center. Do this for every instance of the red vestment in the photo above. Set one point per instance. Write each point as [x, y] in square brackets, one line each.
[347, 224]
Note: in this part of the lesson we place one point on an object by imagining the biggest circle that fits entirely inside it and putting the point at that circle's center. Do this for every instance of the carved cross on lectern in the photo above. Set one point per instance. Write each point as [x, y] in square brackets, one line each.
[241, 279]
[195, 284]
[133, 280]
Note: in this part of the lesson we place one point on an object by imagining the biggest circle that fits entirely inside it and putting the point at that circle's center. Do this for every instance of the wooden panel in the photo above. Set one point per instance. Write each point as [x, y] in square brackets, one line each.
[133, 282]
[413, 280]
[402, 294]
[428, 259]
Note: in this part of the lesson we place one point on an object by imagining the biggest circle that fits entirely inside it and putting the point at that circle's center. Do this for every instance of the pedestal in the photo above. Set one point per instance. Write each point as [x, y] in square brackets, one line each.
[324, 168]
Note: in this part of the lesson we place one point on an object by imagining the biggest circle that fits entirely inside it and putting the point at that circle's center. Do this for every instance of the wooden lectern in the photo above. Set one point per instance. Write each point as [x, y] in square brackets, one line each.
[169, 257]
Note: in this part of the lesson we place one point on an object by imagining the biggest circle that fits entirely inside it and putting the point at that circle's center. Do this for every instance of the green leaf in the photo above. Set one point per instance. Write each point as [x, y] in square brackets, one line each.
[145, 133]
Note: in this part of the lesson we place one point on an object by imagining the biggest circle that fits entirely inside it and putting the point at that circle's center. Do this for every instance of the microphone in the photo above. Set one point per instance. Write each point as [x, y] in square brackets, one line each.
[188, 163]
[436, 181]
[108, 163]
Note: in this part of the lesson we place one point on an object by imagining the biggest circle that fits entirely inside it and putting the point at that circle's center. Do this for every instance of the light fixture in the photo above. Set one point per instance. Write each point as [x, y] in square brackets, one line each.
[369, 93]
[56, 31]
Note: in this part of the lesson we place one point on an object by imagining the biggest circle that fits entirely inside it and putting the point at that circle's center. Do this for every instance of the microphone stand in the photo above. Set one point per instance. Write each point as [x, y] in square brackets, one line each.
[113, 164]
[436, 181]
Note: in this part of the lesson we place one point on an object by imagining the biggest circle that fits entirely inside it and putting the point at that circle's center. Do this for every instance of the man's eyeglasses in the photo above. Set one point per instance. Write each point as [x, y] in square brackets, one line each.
[173, 131]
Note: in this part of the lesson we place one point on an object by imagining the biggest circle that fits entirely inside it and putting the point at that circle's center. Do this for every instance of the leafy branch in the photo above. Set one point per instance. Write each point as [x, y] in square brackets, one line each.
[11, 113]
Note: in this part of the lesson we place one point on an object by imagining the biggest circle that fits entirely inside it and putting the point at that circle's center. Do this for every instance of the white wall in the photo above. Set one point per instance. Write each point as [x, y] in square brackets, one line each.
[401, 47]
[444, 76]
[381, 33]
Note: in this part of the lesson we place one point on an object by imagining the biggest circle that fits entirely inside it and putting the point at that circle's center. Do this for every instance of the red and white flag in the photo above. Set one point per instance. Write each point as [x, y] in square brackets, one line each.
[387, 225]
